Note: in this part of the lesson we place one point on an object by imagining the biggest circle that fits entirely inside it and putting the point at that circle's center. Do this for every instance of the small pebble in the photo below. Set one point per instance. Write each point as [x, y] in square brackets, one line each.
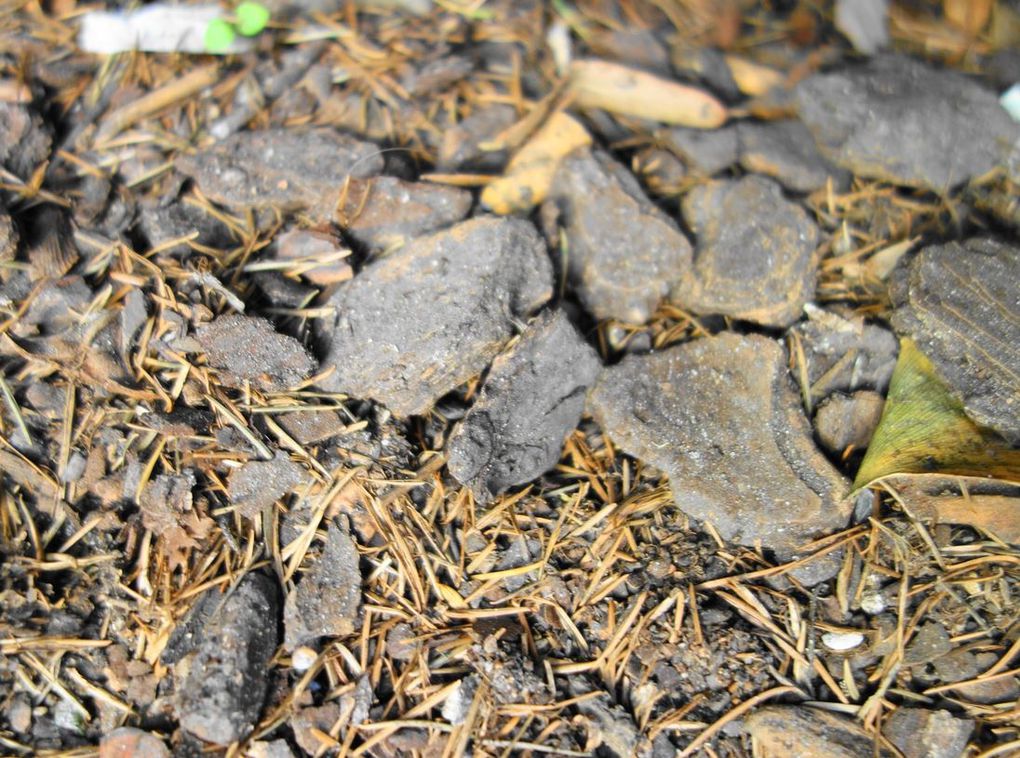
[842, 641]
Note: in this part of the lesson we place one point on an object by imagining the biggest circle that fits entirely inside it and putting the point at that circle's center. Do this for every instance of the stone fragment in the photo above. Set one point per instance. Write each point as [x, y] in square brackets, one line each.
[898, 120]
[221, 681]
[786, 151]
[24, 142]
[288, 169]
[960, 303]
[248, 348]
[843, 421]
[319, 257]
[783, 731]
[327, 600]
[161, 225]
[623, 252]
[705, 151]
[865, 23]
[844, 354]
[309, 427]
[532, 398]
[461, 147]
[720, 416]
[755, 257]
[921, 733]
[386, 212]
[417, 323]
[128, 742]
[256, 485]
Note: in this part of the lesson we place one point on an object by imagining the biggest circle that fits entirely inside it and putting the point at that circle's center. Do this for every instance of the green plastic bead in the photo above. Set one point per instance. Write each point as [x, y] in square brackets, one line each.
[251, 18]
[219, 36]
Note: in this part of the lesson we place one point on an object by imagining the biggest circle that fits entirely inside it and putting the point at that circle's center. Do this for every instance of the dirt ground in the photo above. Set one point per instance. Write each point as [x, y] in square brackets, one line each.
[232, 522]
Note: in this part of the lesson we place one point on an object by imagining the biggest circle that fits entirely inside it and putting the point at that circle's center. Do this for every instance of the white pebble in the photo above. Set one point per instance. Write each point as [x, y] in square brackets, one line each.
[842, 641]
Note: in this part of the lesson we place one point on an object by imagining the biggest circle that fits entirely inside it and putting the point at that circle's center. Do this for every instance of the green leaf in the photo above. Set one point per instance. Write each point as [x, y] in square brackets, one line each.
[924, 430]
[219, 36]
[251, 18]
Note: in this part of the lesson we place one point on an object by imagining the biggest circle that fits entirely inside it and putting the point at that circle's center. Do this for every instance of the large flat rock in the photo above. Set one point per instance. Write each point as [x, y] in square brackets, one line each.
[961, 304]
[412, 326]
[720, 416]
[623, 252]
[900, 121]
[531, 400]
[755, 257]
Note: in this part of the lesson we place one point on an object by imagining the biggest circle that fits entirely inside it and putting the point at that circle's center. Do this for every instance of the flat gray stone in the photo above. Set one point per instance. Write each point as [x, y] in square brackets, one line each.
[532, 399]
[286, 169]
[327, 600]
[721, 418]
[417, 323]
[385, 212]
[898, 120]
[786, 151]
[961, 304]
[222, 677]
[755, 257]
[257, 485]
[921, 733]
[705, 151]
[623, 252]
[248, 348]
[805, 732]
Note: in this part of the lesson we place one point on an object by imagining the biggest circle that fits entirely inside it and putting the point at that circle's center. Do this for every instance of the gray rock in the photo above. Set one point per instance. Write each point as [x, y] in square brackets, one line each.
[221, 682]
[705, 151]
[24, 141]
[844, 421]
[327, 600]
[415, 324]
[720, 416]
[755, 257]
[532, 398]
[385, 212]
[900, 121]
[461, 147]
[285, 169]
[257, 485]
[623, 252]
[161, 225]
[920, 733]
[794, 730]
[961, 304]
[248, 348]
[786, 151]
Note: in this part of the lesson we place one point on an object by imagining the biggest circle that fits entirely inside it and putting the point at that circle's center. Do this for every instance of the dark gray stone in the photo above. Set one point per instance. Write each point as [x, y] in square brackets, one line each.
[623, 252]
[786, 151]
[961, 304]
[248, 348]
[327, 600]
[414, 325]
[900, 121]
[921, 733]
[720, 416]
[705, 151]
[24, 141]
[285, 169]
[756, 255]
[221, 682]
[532, 398]
[461, 147]
[385, 212]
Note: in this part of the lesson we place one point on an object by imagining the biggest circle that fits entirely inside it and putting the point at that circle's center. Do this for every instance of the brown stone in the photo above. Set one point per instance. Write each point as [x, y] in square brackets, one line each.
[755, 257]
[920, 733]
[128, 742]
[623, 252]
[792, 731]
[844, 421]
[720, 416]
[415, 324]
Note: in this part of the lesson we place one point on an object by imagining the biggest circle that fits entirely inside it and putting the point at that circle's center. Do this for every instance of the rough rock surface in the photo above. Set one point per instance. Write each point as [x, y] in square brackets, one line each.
[128, 742]
[786, 151]
[961, 305]
[281, 168]
[385, 212]
[248, 348]
[326, 601]
[532, 398]
[920, 733]
[755, 256]
[221, 681]
[256, 485]
[793, 730]
[901, 121]
[415, 324]
[720, 416]
[843, 421]
[705, 151]
[24, 141]
[624, 253]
